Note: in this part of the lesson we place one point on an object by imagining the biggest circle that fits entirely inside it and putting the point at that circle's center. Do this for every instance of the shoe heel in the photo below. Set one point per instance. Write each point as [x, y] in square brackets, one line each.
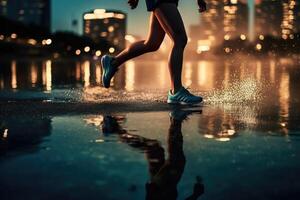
[172, 102]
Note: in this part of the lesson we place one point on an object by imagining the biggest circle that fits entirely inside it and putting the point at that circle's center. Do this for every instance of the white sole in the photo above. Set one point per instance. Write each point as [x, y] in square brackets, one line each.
[182, 103]
[103, 70]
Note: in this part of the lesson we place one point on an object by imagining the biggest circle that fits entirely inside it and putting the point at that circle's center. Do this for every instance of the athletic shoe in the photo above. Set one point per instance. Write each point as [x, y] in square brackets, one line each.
[108, 71]
[183, 96]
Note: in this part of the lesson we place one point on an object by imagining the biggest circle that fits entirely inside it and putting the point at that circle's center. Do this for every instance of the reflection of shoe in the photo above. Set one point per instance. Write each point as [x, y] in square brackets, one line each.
[183, 96]
[180, 115]
[110, 125]
[108, 71]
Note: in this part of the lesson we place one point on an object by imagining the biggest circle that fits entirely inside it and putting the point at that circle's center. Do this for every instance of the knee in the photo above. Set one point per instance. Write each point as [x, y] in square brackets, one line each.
[180, 41]
[152, 46]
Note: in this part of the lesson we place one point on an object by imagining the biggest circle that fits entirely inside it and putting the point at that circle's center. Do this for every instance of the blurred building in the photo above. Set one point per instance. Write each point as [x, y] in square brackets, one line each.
[204, 35]
[36, 12]
[3, 7]
[104, 24]
[288, 26]
[226, 19]
[297, 15]
[268, 18]
[235, 19]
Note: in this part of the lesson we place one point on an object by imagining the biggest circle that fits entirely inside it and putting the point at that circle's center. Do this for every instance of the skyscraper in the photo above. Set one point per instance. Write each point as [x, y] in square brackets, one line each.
[226, 19]
[36, 12]
[210, 29]
[104, 24]
[297, 15]
[3, 7]
[288, 25]
[235, 19]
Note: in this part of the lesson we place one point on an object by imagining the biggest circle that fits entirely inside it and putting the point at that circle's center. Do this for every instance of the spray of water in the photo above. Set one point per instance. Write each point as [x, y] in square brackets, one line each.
[241, 92]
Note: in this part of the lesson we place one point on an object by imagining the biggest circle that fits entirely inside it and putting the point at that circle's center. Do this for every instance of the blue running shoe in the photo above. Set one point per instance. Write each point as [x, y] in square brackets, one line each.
[184, 97]
[108, 71]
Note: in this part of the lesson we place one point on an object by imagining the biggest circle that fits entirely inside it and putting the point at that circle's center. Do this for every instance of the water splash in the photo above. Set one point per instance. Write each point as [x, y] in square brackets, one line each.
[239, 92]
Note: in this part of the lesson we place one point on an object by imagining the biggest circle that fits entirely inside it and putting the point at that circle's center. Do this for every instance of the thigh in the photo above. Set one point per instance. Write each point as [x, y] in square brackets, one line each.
[156, 33]
[170, 20]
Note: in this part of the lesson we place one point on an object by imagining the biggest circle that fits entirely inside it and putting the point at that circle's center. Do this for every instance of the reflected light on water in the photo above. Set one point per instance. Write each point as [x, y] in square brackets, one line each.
[284, 97]
[14, 74]
[77, 71]
[5, 133]
[188, 74]
[129, 75]
[99, 141]
[226, 75]
[95, 120]
[258, 70]
[86, 70]
[33, 74]
[272, 71]
[48, 75]
[284, 94]
[98, 73]
[242, 71]
[206, 75]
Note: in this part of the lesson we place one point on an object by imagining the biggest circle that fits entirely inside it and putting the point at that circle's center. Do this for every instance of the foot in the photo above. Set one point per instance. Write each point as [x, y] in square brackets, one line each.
[108, 70]
[183, 96]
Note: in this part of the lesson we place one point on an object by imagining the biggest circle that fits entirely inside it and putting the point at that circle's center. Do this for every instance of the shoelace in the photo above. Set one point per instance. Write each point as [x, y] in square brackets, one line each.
[187, 92]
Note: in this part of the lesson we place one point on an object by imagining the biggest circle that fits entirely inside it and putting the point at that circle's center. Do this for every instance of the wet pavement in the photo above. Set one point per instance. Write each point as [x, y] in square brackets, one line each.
[65, 137]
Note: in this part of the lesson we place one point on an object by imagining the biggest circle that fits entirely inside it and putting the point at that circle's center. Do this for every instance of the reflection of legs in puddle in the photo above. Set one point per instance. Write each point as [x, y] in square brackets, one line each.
[165, 174]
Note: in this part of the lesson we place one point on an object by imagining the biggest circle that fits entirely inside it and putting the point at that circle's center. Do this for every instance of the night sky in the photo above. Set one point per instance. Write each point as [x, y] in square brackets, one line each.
[64, 11]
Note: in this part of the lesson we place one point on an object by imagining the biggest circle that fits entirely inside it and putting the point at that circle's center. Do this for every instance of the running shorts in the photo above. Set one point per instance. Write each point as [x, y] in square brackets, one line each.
[152, 4]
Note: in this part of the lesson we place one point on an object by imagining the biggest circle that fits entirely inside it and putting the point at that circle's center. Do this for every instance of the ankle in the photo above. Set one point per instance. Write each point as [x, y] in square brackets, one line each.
[175, 89]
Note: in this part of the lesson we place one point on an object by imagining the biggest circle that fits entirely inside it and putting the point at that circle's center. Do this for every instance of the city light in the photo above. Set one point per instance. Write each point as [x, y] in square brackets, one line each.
[285, 37]
[14, 82]
[102, 14]
[1, 37]
[78, 52]
[32, 41]
[111, 29]
[48, 41]
[109, 25]
[5, 133]
[226, 37]
[98, 53]
[243, 37]
[288, 23]
[111, 50]
[48, 75]
[87, 49]
[261, 37]
[203, 46]
[227, 50]
[258, 47]
[13, 36]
